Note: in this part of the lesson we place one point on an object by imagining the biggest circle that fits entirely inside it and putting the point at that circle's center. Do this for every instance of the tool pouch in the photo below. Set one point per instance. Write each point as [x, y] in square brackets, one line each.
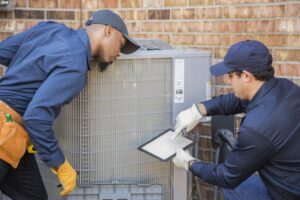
[13, 141]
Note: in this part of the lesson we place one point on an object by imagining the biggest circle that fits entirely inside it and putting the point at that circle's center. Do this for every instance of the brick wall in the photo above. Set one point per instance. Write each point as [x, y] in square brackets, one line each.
[211, 25]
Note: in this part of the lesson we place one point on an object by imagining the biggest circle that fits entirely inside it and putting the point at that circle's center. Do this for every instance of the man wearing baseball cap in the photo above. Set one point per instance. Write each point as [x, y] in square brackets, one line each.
[47, 67]
[269, 135]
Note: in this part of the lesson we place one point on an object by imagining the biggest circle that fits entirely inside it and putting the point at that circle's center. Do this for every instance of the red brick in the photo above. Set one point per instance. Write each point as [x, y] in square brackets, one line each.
[229, 2]
[122, 13]
[279, 69]
[292, 69]
[21, 3]
[200, 2]
[286, 54]
[70, 4]
[293, 25]
[230, 39]
[293, 40]
[4, 35]
[136, 15]
[32, 23]
[184, 27]
[229, 26]
[61, 15]
[159, 14]
[183, 13]
[201, 26]
[131, 3]
[89, 4]
[289, 25]
[268, 11]
[184, 39]
[238, 12]
[220, 80]
[205, 143]
[220, 52]
[43, 3]
[29, 14]
[205, 129]
[222, 90]
[206, 40]
[151, 27]
[4, 14]
[258, 1]
[170, 26]
[293, 10]
[21, 26]
[172, 3]
[286, 69]
[138, 35]
[272, 40]
[204, 48]
[260, 26]
[153, 3]
[108, 4]
[133, 27]
[84, 15]
[163, 37]
[208, 13]
[6, 26]
[73, 25]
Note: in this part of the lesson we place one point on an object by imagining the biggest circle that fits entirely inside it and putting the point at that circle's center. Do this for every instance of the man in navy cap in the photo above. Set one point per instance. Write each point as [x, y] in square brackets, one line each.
[269, 135]
[47, 67]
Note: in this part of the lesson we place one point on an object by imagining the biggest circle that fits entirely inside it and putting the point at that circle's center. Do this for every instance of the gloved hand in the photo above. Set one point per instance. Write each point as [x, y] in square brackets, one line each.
[187, 120]
[182, 159]
[67, 177]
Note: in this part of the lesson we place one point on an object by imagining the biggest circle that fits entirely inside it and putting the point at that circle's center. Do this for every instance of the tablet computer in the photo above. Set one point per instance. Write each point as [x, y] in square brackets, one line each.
[163, 148]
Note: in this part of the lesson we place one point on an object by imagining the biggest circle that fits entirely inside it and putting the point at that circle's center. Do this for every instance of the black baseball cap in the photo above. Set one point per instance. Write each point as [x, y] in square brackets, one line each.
[108, 17]
[249, 55]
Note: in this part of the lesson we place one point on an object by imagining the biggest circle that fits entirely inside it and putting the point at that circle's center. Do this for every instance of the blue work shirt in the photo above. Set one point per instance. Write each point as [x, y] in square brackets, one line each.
[268, 142]
[46, 67]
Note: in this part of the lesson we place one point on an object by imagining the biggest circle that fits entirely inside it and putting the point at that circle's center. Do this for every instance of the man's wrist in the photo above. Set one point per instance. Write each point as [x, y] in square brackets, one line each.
[190, 163]
[202, 109]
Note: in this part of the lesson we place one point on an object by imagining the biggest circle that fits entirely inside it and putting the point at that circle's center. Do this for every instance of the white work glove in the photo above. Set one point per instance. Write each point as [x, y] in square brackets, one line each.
[182, 159]
[187, 120]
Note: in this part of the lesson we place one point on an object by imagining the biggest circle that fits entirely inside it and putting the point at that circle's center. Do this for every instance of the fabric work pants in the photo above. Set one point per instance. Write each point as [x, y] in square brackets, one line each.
[24, 182]
[251, 189]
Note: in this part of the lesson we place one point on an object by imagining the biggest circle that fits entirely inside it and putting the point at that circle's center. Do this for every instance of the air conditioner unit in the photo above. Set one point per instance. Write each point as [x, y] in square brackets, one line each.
[134, 100]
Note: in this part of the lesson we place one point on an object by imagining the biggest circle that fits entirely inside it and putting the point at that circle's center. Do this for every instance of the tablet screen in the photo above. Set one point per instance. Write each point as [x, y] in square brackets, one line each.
[163, 148]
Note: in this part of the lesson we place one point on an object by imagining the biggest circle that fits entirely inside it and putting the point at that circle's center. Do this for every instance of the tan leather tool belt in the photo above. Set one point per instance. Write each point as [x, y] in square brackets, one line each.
[14, 139]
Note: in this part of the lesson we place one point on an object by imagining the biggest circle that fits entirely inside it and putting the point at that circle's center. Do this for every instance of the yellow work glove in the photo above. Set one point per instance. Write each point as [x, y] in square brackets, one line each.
[67, 177]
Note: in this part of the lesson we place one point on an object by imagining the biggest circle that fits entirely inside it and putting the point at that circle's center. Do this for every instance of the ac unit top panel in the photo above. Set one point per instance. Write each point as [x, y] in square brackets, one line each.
[170, 53]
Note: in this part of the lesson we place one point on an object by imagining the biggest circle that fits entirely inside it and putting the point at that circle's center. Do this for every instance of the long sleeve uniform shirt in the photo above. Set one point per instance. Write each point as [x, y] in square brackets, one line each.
[268, 142]
[46, 67]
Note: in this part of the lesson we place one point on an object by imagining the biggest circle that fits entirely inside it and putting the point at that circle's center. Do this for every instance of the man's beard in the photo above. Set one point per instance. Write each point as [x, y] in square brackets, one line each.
[104, 65]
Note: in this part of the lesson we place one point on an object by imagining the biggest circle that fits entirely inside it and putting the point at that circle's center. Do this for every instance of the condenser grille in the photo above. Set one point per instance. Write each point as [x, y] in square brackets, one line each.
[119, 110]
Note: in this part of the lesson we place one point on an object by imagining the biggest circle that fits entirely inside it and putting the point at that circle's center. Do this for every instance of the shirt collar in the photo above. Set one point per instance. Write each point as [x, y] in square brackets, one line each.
[263, 90]
[86, 42]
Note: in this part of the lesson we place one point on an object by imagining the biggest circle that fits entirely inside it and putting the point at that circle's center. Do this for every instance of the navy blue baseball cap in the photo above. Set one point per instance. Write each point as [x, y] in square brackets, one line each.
[249, 55]
[108, 17]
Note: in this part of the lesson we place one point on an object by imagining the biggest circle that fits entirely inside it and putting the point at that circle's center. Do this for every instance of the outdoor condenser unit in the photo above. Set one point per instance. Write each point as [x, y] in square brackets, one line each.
[135, 99]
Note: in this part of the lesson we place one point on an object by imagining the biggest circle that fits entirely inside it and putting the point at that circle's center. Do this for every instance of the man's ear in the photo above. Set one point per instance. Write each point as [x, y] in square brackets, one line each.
[108, 30]
[248, 75]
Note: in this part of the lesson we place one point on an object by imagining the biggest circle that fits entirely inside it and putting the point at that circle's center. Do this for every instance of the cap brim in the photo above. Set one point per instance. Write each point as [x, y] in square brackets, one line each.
[130, 46]
[220, 69]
